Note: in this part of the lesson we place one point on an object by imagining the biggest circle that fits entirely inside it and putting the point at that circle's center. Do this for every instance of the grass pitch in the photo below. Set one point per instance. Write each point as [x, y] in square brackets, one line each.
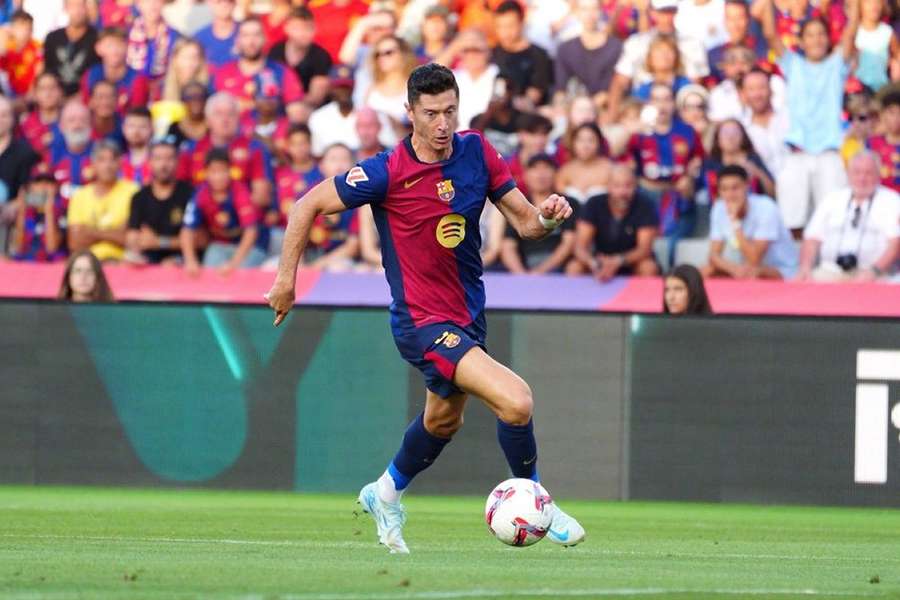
[72, 543]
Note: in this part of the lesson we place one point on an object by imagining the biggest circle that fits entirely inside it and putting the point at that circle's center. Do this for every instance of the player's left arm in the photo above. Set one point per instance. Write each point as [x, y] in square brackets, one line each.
[530, 222]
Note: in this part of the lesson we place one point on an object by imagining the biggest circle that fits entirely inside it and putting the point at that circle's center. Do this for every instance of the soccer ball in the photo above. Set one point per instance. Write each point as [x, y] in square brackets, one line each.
[518, 512]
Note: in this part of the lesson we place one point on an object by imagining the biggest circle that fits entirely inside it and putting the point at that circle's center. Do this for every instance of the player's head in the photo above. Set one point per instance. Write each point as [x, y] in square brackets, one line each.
[432, 105]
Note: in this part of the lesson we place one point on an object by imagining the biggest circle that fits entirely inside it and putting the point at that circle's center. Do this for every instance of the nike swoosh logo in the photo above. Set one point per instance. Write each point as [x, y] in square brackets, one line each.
[528, 462]
[409, 184]
[561, 537]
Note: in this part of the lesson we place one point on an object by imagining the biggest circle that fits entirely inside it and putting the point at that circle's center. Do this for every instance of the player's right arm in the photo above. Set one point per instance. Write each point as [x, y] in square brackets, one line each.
[323, 199]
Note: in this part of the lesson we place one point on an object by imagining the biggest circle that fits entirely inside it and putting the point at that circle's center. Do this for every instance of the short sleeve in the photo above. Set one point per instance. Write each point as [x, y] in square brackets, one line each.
[79, 212]
[632, 53]
[500, 179]
[815, 229]
[718, 222]
[646, 213]
[193, 216]
[767, 225]
[134, 215]
[589, 212]
[366, 183]
[787, 62]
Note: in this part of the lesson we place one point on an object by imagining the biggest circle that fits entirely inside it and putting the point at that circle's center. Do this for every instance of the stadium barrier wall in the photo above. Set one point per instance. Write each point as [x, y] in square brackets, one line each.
[628, 407]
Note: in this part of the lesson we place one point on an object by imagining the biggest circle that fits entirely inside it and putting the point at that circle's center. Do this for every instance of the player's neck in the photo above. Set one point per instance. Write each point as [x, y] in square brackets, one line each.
[427, 154]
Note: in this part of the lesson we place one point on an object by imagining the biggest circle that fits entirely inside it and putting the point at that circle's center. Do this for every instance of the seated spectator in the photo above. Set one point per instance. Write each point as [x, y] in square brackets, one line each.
[589, 59]
[368, 129]
[300, 172]
[527, 68]
[106, 122]
[17, 158]
[498, 121]
[732, 146]
[475, 74]
[684, 292]
[533, 133]
[391, 62]
[742, 31]
[855, 232]
[69, 52]
[157, 210]
[150, 44]
[308, 59]
[37, 126]
[132, 88]
[356, 48]
[702, 20]
[70, 152]
[816, 83]
[877, 45]
[586, 173]
[663, 66]
[887, 144]
[218, 38]
[335, 123]
[436, 31]
[550, 254]
[98, 212]
[138, 131]
[20, 54]
[187, 66]
[614, 232]
[863, 118]
[275, 22]
[692, 103]
[765, 125]
[334, 239]
[84, 280]
[266, 123]
[222, 208]
[192, 127]
[748, 239]
[252, 71]
[38, 234]
[249, 159]
[724, 99]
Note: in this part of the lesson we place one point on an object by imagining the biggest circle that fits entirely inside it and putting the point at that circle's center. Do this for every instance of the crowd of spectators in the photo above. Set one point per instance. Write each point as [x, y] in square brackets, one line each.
[764, 132]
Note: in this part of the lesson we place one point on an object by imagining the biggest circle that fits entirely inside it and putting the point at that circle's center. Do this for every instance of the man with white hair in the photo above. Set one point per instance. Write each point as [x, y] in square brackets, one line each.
[854, 234]
[70, 150]
[249, 158]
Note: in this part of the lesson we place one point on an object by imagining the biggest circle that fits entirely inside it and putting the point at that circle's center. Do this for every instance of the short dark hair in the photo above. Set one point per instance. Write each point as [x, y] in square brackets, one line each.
[891, 99]
[301, 13]
[299, 128]
[101, 83]
[252, 19]
[539, 159]
[742, 3]
[431, 79]
[166, 142]
[21, 15]
[219, 155]
[534, 123]
[733, 171]
[112, 32]
[806, 23]
[510, 6]
[139, 111]
[754, 70]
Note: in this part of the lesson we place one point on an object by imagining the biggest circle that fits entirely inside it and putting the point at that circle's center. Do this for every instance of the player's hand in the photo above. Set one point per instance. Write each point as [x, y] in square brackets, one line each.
[555, 207]
[281, 300]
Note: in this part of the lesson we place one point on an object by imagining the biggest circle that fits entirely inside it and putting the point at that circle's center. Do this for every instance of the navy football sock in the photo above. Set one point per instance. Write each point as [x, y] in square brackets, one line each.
[417, 452]
[520, 448]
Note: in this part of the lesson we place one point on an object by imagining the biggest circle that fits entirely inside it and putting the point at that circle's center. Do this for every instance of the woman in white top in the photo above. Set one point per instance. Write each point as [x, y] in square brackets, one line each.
[877, 45]
[392, 61]
[586, 173]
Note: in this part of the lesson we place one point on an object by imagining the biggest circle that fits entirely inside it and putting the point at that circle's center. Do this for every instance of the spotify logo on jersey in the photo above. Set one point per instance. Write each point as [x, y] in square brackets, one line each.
[451, 230]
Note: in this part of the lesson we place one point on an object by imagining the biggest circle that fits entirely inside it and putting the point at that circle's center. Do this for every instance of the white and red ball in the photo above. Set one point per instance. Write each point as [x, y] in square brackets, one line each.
[518, 512]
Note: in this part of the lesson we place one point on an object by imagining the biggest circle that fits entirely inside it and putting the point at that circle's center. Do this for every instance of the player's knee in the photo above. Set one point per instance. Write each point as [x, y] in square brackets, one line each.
[443, 426]
[519, 406]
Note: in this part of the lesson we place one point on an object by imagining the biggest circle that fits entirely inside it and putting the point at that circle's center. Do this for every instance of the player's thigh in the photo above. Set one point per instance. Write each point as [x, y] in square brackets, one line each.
[444, 416]
[504, 392]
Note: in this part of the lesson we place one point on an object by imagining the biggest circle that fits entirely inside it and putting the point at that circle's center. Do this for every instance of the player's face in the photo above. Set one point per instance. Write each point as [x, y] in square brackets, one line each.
[435, 118]
[106, 164]
[82, 278]
[163, 160]
[676, 296]
[137, 131]
[733, 191]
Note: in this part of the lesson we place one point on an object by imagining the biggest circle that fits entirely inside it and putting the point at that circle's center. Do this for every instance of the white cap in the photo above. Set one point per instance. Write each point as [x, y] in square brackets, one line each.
[664, 4]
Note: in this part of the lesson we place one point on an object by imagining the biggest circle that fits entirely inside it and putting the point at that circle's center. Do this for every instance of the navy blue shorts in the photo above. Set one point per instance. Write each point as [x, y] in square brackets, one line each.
[435, 350]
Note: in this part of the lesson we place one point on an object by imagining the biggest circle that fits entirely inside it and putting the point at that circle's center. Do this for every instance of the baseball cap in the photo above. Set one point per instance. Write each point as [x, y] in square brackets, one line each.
[664, 4]
[341, 76]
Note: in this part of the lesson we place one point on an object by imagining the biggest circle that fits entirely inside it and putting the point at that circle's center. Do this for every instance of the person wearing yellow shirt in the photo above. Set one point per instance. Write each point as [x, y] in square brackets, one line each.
[98, 212]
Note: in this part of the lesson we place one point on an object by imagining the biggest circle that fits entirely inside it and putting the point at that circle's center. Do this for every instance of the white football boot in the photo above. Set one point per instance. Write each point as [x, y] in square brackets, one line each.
[389, 518]
[564, 530]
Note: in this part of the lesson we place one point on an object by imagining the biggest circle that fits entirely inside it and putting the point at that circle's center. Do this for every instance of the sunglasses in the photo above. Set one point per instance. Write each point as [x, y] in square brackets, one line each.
[695, 106]
[862, 118]
[388, 52]
[474, 50]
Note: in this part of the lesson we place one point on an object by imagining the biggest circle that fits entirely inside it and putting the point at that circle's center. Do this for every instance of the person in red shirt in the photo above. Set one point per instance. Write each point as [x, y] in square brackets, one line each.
[274, 22]
[114, 13]
[137, 129]
[252, 71]
[21, 57]
[334, 18]
[37, 126]
[298, 174]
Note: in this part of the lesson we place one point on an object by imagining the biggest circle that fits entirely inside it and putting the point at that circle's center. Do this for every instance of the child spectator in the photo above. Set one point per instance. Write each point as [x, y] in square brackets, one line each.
[38, 234]
[299, 174]
[748, 239]
[84, 280]
[863, 118]
[131, 86]
[222, 207]
[137, 129]
[877, 45]
[614, 232]
[550, 254]
[98, 212]
[334, 239]
[37, 126]
[816, 89]
[157, 210]
[21, 56]
[887, 144]
[684, 292]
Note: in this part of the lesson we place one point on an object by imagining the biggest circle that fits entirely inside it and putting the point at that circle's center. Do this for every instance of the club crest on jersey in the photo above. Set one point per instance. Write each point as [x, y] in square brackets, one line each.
[445, 190]
[355, 175]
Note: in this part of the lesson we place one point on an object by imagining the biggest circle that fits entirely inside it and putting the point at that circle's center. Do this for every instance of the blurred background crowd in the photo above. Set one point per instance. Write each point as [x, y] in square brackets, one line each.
[750, 140]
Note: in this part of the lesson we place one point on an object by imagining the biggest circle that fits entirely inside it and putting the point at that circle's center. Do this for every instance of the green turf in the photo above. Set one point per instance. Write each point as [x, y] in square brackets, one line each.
[61, 543]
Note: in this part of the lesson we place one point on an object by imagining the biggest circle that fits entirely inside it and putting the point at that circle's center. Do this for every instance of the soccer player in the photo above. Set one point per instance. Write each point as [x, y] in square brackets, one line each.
[427, 195]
